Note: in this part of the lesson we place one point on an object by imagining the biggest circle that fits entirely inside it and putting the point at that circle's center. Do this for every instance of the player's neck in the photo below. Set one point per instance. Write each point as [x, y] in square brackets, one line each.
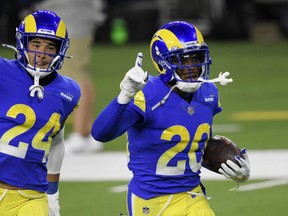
[45, 80]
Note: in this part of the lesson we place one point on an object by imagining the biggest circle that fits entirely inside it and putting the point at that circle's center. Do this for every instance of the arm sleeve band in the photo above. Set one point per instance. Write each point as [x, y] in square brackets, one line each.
[53, 187]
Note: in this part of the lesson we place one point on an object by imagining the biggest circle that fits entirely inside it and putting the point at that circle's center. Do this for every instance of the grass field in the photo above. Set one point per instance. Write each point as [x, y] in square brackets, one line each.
[95, 199]
[256, 103]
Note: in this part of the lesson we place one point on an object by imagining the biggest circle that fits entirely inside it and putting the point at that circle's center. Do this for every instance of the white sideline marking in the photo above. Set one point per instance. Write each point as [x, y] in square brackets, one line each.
[118, 189]
[261, 185]
[112, 166]
[104, 166]
[247, 187]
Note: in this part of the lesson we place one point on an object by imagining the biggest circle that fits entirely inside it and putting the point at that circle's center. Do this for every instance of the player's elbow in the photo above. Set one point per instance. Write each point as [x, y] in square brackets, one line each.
[100, 135]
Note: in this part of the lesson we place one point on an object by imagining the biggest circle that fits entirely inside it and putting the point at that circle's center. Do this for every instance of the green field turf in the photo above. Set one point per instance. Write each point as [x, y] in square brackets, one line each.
[256, 101]
[96, 199]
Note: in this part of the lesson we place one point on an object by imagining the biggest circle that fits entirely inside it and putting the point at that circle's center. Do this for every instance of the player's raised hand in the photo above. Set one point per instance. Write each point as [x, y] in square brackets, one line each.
[134, 80]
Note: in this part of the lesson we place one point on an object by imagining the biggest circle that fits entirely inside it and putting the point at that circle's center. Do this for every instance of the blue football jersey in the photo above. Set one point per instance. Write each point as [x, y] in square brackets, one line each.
[27, 124]
[166, 142]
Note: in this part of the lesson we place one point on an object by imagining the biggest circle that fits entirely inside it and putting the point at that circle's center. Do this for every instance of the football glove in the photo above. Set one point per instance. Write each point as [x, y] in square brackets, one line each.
[134, 80]
[53, 203]
[235, 172]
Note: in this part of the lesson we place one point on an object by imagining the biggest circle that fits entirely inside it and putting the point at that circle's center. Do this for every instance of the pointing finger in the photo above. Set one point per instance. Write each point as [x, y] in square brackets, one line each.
[139, 60]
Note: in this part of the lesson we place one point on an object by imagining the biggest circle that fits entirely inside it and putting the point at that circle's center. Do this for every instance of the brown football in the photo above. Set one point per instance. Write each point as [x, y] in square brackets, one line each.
[219, 149]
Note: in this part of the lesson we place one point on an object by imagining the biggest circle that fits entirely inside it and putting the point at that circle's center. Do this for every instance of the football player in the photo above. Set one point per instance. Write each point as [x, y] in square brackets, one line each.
[168, 119]
[35, 102]
[81, 34]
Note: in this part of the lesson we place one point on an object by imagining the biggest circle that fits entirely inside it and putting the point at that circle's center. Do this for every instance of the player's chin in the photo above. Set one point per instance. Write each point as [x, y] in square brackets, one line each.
[42, 67]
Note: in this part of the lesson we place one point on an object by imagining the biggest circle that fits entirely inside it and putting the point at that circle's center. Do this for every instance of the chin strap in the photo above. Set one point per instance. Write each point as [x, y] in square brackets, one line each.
[192, 87]
[9, 46]
[222, 79]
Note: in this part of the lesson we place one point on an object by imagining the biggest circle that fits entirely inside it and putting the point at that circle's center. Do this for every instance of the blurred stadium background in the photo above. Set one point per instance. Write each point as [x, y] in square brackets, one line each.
[218, 19]
[246, 37]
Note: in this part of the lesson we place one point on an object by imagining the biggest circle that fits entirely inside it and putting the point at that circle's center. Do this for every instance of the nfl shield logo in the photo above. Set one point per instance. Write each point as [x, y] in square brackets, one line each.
[190, 110]
[145, 210]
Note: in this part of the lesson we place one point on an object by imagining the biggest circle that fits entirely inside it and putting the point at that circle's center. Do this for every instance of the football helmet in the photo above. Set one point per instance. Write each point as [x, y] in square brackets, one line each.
[42, 24]
[174, 42]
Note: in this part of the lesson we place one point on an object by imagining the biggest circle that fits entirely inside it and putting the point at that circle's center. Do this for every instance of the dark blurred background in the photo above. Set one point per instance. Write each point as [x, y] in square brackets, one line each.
[137, 20]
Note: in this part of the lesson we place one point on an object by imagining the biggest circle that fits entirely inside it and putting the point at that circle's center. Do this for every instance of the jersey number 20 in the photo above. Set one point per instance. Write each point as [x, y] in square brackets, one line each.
[194, 162]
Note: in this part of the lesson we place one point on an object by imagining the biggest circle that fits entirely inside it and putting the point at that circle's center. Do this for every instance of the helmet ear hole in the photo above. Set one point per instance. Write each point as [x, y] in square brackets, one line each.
[160, 67]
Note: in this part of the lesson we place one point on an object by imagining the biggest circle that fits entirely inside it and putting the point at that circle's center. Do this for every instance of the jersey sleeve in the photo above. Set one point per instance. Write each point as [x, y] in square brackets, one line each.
[217, 104]
[113, 121]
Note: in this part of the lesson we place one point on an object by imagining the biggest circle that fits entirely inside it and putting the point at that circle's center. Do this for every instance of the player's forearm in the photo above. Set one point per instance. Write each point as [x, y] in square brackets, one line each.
[53, 177]
[112, 122]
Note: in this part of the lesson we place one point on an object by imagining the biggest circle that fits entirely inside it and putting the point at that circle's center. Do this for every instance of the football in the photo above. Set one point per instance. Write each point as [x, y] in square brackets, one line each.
[219, 149]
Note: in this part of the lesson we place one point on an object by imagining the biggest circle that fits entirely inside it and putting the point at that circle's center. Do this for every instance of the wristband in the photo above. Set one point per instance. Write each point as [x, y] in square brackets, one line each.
[53, 187]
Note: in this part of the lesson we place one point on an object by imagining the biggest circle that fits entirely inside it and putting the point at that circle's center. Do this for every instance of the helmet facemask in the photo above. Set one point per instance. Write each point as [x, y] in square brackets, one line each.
[193, 64]
[186, 66]
[56, 60]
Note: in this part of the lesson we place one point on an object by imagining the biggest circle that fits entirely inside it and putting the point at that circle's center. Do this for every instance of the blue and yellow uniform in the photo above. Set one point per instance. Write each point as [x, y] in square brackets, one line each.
[168, 120]
[27, 124]
[35, 102]
[165, 143]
